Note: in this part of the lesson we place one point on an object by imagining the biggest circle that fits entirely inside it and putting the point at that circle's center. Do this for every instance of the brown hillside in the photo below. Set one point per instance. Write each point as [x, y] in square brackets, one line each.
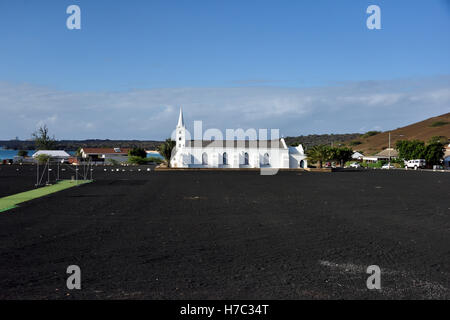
[424, 130]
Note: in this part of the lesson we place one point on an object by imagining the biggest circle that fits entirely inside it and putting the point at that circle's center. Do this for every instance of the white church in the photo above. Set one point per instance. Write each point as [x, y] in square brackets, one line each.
[233, 153]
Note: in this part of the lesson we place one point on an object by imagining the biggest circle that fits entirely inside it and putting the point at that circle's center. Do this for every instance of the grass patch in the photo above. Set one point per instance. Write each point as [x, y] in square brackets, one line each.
[355, 143]
[439, 123]
[10, 202]
[370, 134]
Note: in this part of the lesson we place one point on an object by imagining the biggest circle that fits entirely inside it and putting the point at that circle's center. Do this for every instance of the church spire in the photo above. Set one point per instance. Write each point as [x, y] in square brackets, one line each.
[180, 119]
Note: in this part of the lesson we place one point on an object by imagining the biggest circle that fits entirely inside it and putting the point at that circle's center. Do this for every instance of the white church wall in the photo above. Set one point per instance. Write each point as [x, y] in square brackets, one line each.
[194, 156]
[296, 159]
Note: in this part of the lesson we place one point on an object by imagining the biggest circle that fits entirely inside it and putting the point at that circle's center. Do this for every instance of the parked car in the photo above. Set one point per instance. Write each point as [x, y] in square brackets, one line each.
[415, 164]
[387, 166]
[355, 165]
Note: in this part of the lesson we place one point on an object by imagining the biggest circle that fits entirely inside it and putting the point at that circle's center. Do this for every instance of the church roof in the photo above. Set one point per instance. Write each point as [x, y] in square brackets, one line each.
[270, 144]
[180, 119]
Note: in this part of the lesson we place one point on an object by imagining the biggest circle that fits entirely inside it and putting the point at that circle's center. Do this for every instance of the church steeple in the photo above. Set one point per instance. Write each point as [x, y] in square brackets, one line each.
[180, 119]
[181, 131]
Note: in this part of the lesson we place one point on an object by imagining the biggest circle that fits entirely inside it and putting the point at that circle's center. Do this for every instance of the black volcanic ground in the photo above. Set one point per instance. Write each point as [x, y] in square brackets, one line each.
[234, 235]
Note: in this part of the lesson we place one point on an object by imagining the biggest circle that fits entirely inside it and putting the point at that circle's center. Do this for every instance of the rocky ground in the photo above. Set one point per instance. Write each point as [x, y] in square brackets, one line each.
[229, 235]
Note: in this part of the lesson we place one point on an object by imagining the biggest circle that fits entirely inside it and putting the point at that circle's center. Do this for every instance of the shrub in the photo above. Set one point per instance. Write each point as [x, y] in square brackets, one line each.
[439, 123]
[43, 158]
[370, 134]
[435, 139]
[136, 160]
[137, 152]
[114, 162]
[22, 153]
[156, 160]
[377, 164]
[398, 163]
[142, 161]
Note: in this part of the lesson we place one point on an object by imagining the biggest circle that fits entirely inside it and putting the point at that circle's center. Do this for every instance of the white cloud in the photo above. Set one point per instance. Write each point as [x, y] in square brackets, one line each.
[152, 113]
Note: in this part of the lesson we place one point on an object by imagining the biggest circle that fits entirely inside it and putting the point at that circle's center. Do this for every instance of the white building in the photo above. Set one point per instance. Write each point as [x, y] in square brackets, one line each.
[105, 154]
[56, 155]
[357, 155]
[447, 157]
[385, 155]
[234, 153]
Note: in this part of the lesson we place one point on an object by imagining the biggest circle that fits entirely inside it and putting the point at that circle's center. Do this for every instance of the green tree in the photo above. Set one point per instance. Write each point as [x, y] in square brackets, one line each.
[319, 154]
[341, 154]
[22, 153]
[43, 140]
[78, 152]
[43, 158]
[410, 149]
[165, 149]
[137, 152]
[433, 153]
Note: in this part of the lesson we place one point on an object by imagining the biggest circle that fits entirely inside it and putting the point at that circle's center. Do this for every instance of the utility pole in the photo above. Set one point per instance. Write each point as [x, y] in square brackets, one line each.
[389, 150]
[48, 171]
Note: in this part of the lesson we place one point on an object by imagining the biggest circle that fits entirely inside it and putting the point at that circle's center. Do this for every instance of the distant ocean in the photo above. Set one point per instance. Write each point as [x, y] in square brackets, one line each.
[154, 155]
[10, 154]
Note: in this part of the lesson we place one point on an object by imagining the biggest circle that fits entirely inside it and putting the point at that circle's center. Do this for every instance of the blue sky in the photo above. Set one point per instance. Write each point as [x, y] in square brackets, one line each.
[142, 59]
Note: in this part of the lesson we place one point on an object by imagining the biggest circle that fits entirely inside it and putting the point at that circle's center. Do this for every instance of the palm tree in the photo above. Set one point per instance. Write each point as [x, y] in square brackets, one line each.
[165, 149]
[319, 153]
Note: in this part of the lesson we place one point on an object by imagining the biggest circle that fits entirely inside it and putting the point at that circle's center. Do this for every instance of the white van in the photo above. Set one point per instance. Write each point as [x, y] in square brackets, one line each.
[415, 164]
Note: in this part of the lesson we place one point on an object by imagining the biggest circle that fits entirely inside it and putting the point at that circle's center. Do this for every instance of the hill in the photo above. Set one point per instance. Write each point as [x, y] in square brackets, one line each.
[317, 139]
[75, 144]
[423, 130]
[369, 143]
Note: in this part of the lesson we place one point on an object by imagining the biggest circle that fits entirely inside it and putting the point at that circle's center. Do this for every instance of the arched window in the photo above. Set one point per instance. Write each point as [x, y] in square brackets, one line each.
[302, 164]
[266, 160]
[225, 158]
[204, 159]
[246, 159]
